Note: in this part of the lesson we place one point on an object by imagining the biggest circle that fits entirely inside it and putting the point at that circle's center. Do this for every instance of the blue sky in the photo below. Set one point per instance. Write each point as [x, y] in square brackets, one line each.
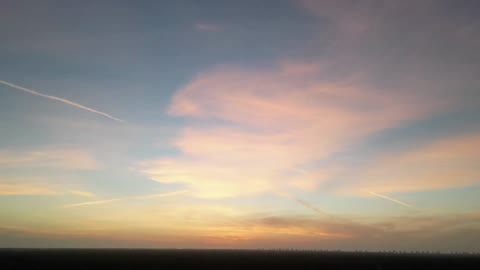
[244, 124]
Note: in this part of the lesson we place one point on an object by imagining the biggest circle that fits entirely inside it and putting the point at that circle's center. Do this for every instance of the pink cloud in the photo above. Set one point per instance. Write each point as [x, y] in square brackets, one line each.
[443, 163]
[287, 98]
[275, 121]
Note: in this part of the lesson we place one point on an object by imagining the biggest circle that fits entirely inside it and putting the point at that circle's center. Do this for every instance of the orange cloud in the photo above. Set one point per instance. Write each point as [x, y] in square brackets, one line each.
[404, 233]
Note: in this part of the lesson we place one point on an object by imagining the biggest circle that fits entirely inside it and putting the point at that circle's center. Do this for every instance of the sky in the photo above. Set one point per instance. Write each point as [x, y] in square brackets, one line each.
[340, 125]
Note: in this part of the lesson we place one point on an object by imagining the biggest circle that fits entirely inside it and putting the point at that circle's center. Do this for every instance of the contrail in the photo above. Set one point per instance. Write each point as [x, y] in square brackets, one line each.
[391, 199]
[127, 198]
[340, 221]
[314, 208]
[302, 202]
[33, 92]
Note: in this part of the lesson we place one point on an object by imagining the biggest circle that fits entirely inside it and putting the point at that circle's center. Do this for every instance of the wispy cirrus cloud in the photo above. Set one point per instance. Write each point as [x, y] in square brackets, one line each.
[274, 121]
[38, 186]
[254, 126]
[25, 189]
[58, 157]
[82, 193]
[443, 163]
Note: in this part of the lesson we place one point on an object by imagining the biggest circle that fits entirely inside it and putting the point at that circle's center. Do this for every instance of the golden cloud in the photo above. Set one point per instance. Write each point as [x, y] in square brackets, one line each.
[25, 189]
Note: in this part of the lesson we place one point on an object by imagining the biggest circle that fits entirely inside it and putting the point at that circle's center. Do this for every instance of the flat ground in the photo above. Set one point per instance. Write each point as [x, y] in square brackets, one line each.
[224, 259]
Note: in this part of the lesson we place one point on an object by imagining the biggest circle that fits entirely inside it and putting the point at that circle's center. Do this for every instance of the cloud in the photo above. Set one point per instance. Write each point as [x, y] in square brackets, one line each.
[37, 189]
[214, 224]
[66, 158]
[443, 163]
[250, 128]
[82, 193]
[404, 233]
[255, 128]
[442, 233]
[403, 43]
[71, 103]
[24, 189]
[208, 27]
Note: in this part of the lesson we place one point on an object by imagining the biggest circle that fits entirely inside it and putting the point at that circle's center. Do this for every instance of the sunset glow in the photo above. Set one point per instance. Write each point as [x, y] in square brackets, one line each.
[350, 125]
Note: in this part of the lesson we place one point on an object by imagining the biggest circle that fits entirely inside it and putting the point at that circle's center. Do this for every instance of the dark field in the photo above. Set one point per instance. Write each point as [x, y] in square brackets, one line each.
[225, 259]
